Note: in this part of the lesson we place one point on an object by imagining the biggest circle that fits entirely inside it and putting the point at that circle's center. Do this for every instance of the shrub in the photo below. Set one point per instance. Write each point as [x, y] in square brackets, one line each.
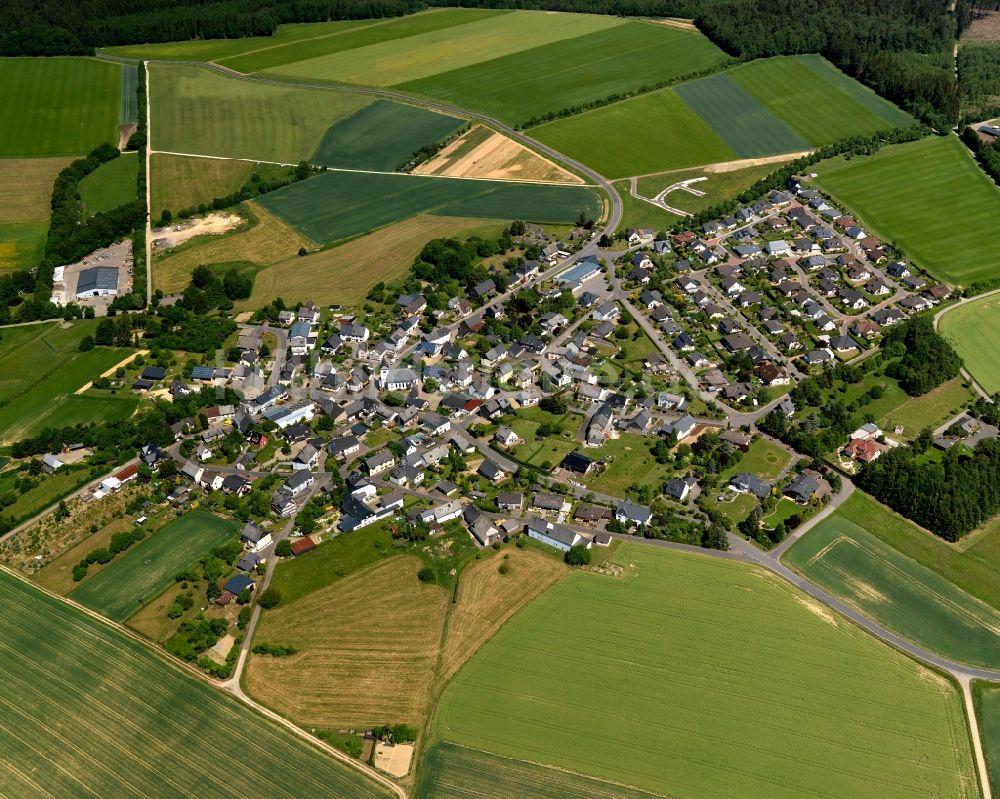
[426, 575]
[270, 599]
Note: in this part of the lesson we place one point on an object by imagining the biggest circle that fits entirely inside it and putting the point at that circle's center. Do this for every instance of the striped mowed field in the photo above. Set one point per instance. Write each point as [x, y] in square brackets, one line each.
[57, 106]
[868, 574]
[86, 711]
[766, 107]
[779, 691]
[967, 327]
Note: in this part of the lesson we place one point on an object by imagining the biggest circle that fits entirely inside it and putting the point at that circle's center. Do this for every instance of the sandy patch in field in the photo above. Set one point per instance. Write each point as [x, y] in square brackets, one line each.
[125, 133]
[394, 760]
[817, 609]
[497, 158]
[865, 590]
[211, 225]
[743, 163]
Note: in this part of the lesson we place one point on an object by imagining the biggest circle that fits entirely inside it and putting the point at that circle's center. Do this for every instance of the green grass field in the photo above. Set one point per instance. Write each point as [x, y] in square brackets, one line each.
[128, 108]
[287, 40]
[57, 106]
[25, 204]
[40, 370]
[717, 186]
[339, 205]
[638, 213]
[110, 185]
[388, 61]
[553, 76]
[48, 491]
[198, 111]
[966, 327]
[987, 701]
[930, 410]
[845, 559]
[816, 100]
[930, 198]
[178, 182]
[382, 136]
[764, 458]
[743, 123]
[651, 133]
[629, 463]
[142, 572]
[615, 678]
[456, 772]
[86, 711]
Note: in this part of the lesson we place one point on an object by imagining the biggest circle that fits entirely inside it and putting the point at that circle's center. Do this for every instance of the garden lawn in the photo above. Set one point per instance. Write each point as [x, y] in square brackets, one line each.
[39, 374]
[382, 136]
[629, 462]
[57, 106]
[816, 100]
[86, 710]
[877, 580]
[179, 182]
[572, 71]
[198, 111]
[457, 772]
[339, 205]
[650, 133]
[931, 410]
[113, 183]
[143, 571]
[931, 199]
[764, 458]
[865, 716]
[967, 327]
[391, 61]
[346, 273]
[551, 449]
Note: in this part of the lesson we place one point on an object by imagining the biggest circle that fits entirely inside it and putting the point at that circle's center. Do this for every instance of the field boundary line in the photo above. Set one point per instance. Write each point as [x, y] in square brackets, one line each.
[180, 665]
[380, 172]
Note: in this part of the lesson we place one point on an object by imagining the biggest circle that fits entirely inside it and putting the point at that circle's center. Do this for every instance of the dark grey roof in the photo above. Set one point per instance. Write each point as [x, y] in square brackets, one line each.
[97, 278]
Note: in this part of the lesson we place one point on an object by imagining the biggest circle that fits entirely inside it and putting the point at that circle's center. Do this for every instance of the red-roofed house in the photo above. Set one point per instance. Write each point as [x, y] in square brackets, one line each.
[128, 473]
[863, 450]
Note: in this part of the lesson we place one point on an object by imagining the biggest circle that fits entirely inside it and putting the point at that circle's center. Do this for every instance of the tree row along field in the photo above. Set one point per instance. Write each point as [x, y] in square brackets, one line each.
[98, 714]
[931, 199]
[766, 107]
[867, 573]
[511, 64]
[783, 688]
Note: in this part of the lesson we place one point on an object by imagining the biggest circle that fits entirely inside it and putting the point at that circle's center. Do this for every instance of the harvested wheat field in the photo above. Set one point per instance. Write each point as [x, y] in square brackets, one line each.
[482, 153]
[487, 599]
[368, 646]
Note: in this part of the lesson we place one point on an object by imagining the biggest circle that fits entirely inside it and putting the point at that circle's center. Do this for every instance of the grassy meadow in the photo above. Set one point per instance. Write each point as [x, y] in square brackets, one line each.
[871, 576]
[86, 711]
[198, 111]
[40, 371]
[345, 274]
[382, 136]
[57, 106]
[550, 77]
[717, 186]
[662, 132]
[388, 61]
[340, 205]
[142, 572]
[931, 199]
[177, 182]
[967, 327]
[112, 184]
[24, 208]
[850, 707]
[987, 701]
[371, 662]
[263, 241]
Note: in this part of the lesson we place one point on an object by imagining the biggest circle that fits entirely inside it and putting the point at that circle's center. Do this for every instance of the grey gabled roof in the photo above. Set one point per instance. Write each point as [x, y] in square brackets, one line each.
[97, 278]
